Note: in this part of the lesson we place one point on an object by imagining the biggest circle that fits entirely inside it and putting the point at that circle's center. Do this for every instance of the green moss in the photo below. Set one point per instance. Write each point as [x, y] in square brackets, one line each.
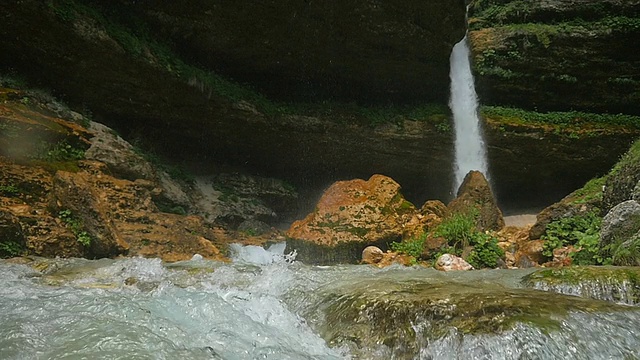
[631, 158]
[576, 275]
[362, 311]
[590, 193]
[561, 118]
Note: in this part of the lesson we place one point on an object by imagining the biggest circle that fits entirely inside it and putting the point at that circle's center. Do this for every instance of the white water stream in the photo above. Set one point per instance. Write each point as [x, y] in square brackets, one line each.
[265, 305]
[470, 150]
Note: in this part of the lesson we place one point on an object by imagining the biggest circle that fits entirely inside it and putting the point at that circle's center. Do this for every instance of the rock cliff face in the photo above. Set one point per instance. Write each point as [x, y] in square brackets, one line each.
[351, 49]
[151, 68]
[558, 54]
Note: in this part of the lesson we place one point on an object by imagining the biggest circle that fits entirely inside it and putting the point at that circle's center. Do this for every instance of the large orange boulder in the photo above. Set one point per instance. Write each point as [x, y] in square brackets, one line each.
[352, 215]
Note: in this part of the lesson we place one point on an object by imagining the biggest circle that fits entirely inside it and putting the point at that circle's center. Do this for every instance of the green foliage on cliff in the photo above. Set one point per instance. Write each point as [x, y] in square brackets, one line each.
[591, 192]
[61, 151]
[76, 226]
[561, 118]
[629, 160]
[11, 249]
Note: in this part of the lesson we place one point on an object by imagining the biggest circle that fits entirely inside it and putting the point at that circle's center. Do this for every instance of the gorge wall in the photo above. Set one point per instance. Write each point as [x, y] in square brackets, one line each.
[558, 54]
[336, 91]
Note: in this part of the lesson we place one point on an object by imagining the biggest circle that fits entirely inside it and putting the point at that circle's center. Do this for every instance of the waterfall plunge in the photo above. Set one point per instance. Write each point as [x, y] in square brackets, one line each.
[470, 149]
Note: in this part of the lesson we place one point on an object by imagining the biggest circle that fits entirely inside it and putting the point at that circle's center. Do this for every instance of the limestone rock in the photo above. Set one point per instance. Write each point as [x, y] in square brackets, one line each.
[621, 223]
[304, 37]
[475, 195]
[230, 199]
[529, 253]
[635, 195]
[12, 239]
[448, 262]
[372, 255]
[356, 212]
[121, 158]
[579, 67]
[435, 207]
[125, 162]
[87, 206]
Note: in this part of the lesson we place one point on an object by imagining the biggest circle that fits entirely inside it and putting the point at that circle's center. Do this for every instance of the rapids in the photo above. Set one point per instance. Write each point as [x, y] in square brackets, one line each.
[266, 305]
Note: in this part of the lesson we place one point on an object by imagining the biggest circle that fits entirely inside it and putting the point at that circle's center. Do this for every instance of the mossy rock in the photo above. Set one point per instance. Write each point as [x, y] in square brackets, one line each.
[615, 284]
[372, 313]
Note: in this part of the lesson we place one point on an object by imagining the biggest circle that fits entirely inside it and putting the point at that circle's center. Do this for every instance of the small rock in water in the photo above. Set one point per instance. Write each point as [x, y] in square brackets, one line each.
[448, 262]
[197, 257]
[372, 255]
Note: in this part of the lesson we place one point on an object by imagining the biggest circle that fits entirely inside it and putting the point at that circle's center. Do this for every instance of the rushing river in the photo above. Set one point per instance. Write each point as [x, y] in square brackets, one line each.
[266, 306]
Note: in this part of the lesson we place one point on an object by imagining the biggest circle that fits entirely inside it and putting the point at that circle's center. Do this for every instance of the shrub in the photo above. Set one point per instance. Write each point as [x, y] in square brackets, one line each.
[460, 231]
[9, 190]
[59, 152]
[486, 251]
[581, 231]
[457, 229]
[10, 249]
[412, 247]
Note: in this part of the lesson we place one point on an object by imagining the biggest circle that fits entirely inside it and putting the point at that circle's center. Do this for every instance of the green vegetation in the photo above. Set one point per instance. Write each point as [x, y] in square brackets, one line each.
[412, 247]
[486, 252]
[62, 151]
[630, 159]
[581, 231]
[76, 226]
[625, 253]
[591, 192]
[565, 118]
[11, 249]
[459, 231]
[9, 190]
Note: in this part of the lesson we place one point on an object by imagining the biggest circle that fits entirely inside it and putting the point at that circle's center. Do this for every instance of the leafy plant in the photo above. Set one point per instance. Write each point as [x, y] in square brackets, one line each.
[460, 232]
[581, 231]
[625, 253]
[9, 190]
[60, 152]
[412, 247]
[486, 251]
[458, 229]
[11, 248]
[76, 226]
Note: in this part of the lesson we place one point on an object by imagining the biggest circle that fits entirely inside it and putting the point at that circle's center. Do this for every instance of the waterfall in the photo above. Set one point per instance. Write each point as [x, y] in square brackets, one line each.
[470, 149]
